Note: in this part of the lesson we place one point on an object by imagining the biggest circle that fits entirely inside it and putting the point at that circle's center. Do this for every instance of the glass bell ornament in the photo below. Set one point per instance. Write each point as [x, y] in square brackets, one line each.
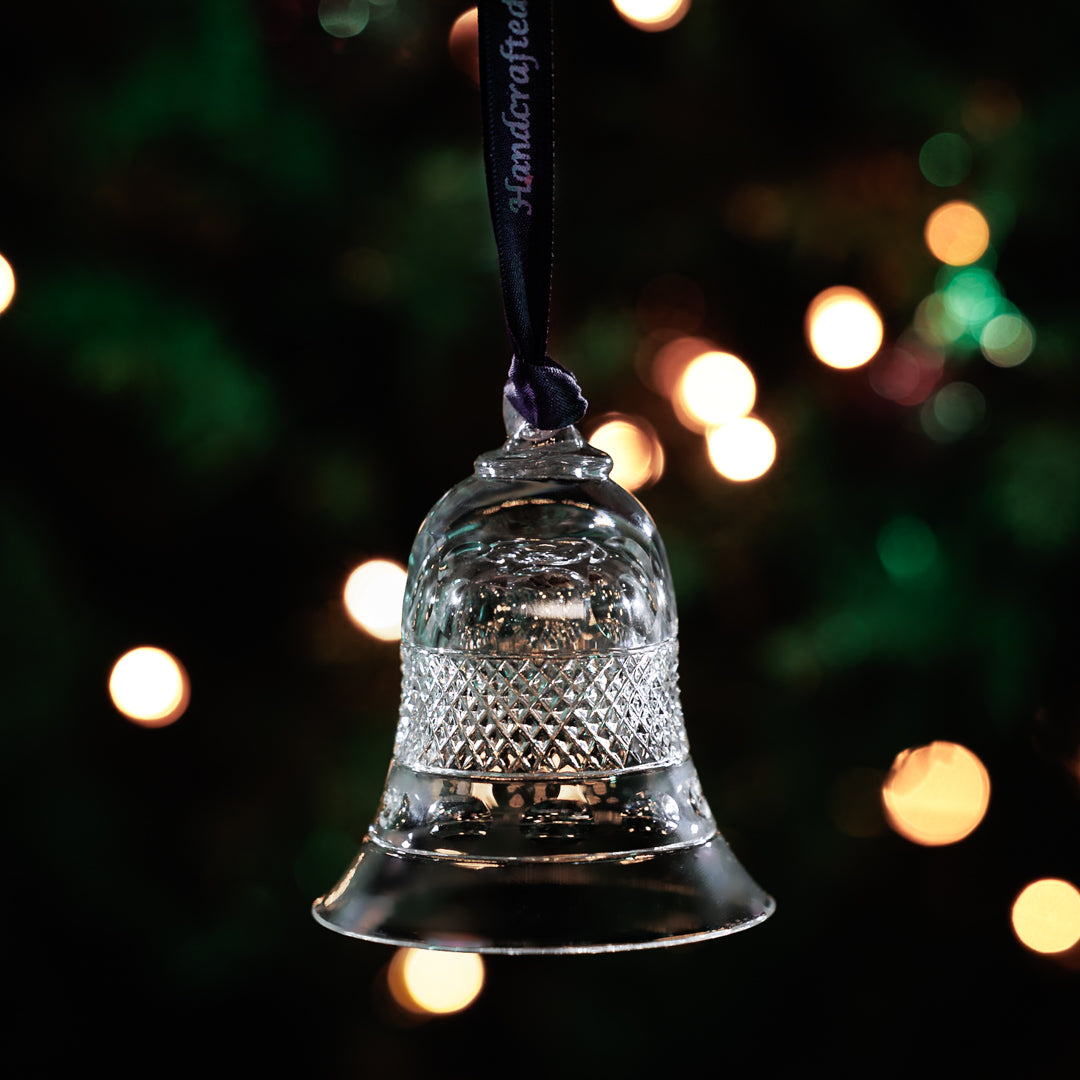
[541, 796]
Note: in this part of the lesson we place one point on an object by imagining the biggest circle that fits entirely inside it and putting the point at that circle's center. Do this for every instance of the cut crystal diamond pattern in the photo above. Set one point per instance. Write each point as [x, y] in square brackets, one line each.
[540, 715]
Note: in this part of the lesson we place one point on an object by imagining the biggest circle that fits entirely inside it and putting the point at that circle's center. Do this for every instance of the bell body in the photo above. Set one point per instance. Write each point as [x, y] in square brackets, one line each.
[541, 796]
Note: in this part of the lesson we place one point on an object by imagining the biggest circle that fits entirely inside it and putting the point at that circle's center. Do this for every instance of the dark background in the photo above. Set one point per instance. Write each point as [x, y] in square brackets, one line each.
[258, 332]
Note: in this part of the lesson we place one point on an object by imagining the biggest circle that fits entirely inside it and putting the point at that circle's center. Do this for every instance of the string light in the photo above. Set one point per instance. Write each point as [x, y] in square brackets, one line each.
[7, 284]
[713, 388]
[433, 982]
[636, 454]
[652, 15]
[843, 327]
[957, 233]
[149, 686]
[1046, 915]
[373, 598]
[742, 449]
[936, 794]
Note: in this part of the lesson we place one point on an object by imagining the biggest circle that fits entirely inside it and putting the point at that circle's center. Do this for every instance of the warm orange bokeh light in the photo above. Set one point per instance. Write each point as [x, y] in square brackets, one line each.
[652, 15]
[672, 359]
[429, 981]
[1046, 915]
[713, 388]
[843, 327]
[957, 233]
[149, 686]
[936, 794]
[635, 451]
[373, 598]
[7, 284]
[742, 449]
[464, 44]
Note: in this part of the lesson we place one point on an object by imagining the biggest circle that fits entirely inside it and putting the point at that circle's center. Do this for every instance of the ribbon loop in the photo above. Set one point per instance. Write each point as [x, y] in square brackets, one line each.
[517, 99]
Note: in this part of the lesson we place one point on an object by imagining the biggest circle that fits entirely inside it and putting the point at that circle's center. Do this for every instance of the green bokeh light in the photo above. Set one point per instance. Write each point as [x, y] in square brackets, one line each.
[908, 549]
[945, 159]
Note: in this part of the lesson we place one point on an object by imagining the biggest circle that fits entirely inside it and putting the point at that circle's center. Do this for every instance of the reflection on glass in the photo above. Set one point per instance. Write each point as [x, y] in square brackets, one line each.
[936, 794]
[635, 451]
[652, 15]
[373, 597]
[742, 449]
[149, 686]
[431, 982]
[1007, 340]
[843, 327]
[7, 284]
[957, 233]
[714, 388]
[1046, 915]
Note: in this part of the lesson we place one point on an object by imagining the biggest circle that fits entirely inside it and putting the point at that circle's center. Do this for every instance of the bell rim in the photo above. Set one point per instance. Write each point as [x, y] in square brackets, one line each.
[718, 888]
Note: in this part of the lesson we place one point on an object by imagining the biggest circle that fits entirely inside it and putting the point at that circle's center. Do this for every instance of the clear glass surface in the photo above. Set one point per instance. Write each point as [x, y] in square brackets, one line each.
[541, 796]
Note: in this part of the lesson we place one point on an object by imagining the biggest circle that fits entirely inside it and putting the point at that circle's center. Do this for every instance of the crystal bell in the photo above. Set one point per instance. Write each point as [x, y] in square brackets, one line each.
[541, 796]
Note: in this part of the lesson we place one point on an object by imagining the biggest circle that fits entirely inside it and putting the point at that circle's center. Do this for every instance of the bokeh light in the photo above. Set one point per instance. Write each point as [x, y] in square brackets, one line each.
[713, 388]
[971, 297]
[990, 109]
[945, 159]
[843, 327]
[652, 15]
[149, 686]
[7, 284]
[907, 373]
[1046, 915]
[953, 411]
[464, 42]
[434, 982]
[957, 233]
[373, 598]
[742, 449]
[1007, 340]
[672, 358]
[344, 18]
[935, 323]
[907, 548]
[635, 451]
[936, 794]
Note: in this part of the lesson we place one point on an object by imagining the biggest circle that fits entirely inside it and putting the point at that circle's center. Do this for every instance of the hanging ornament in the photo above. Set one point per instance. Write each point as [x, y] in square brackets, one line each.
[541, 796]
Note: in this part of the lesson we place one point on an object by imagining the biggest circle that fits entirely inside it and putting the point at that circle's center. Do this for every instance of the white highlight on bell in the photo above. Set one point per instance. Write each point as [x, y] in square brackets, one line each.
[427, 981]
[843, 327]
[149, 686]
[714, 388]
[373, 598]
[743, 449]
